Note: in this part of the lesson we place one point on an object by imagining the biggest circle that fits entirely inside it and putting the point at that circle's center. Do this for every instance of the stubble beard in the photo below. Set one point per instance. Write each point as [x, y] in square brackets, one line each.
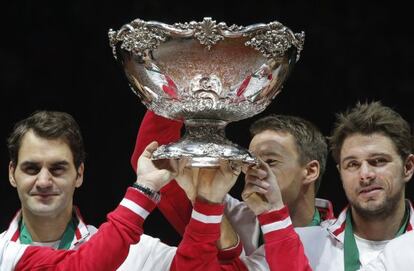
[372, 210]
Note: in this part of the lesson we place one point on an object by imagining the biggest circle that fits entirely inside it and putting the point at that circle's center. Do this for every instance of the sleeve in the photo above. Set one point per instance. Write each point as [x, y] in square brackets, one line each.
[244, 222]
[174, 204]
[154, 127]
[283, 248]
[106, 250]
[198, 250]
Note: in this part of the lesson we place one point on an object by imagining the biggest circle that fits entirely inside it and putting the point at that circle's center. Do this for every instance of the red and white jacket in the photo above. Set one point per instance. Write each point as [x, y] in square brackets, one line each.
[176, 207]
[83, 232]
[319, 247]
[198, 250]
[106, 250]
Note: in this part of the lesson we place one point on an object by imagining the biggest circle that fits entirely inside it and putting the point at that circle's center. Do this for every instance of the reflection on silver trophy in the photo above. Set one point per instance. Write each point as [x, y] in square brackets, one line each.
[207, 74]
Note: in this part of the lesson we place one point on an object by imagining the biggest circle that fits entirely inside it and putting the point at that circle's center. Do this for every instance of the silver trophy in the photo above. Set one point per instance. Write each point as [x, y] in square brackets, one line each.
[207, 74]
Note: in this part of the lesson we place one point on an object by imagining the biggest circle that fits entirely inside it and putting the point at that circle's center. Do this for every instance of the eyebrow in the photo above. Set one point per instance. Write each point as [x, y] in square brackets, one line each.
[269, 153]
[57, 163]
[60, 163]
[369, 157]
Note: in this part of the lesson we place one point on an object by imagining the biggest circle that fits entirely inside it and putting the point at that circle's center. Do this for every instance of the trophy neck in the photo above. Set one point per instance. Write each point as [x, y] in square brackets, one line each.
[209, 128]
[205, 122]
[205, 145]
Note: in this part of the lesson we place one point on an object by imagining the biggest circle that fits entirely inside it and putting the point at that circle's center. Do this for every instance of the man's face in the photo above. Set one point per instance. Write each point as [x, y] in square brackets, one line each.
[279, 151]
[45, 175]
[373, 174]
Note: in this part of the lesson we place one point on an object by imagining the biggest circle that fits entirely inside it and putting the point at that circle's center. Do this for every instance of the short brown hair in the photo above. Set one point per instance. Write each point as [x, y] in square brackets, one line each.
[368, 118]
[310, 143]
[49, 125]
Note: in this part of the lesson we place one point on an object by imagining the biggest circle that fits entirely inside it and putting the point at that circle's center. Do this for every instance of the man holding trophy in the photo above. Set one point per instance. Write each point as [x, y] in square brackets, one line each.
[44, 161]
[46, 164]
[207, 102]
[373, 146]
[178, 71]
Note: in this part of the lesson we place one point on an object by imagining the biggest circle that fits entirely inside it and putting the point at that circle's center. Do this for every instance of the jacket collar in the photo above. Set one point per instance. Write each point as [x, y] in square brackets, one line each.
[336, 228]
[325, 208]
[81, 234]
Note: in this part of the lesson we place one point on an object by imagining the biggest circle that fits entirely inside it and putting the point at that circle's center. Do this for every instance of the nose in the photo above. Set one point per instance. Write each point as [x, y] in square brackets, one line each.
[44, 179]
[367, 172]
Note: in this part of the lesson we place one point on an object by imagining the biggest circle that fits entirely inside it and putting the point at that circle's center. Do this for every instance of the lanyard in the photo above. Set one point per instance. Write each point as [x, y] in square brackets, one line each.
[351, 253]
[67, 237]
[316, 220]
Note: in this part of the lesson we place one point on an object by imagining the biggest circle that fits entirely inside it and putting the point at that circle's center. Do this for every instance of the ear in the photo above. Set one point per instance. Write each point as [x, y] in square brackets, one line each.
[79, 178]
[312, 170]
[12, 169]
[409, 168]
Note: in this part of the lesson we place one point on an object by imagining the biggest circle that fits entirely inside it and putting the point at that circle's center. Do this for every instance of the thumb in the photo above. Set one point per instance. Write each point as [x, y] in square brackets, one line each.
[149, 149]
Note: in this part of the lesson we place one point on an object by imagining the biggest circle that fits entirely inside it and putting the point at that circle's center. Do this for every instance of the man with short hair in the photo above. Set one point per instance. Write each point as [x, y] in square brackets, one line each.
[287, 143]
[373, 147]
[296, 152]
[46, 166]
[110, 245]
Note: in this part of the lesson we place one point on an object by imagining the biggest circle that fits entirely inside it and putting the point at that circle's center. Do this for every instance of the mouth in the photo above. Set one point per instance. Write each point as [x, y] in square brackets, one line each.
[44, 196]
[370, 191]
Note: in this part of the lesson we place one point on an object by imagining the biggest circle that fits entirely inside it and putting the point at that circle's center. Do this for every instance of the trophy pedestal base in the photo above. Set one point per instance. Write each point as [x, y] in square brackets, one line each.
[204, 145]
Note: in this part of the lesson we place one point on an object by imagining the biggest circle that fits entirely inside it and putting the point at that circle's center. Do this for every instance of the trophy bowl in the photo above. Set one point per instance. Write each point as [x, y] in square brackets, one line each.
[206, 74]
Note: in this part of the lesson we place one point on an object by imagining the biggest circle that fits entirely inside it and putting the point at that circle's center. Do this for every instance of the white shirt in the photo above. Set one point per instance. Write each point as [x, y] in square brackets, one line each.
[368, 250]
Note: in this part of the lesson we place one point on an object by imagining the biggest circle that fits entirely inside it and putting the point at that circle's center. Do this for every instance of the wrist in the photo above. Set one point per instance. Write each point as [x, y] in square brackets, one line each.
[147, 191]
[275, 207]
[210, 198]
[151, 185]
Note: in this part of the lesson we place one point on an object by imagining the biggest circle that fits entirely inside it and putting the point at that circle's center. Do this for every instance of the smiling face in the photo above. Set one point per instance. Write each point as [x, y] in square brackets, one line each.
[45, 175]
[279, 151]
[373, 174]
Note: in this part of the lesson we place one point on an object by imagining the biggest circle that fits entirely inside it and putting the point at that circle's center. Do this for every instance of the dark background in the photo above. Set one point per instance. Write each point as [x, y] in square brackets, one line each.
[56, 56]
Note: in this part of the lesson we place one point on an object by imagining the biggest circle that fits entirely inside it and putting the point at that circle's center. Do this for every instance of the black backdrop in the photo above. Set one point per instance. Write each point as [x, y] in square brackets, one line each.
[56, 56]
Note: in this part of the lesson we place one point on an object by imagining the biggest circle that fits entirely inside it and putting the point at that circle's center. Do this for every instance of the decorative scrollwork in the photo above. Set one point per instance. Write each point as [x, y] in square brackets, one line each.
[137, 37]
[272, 39]
[207, 31]
[274, 42]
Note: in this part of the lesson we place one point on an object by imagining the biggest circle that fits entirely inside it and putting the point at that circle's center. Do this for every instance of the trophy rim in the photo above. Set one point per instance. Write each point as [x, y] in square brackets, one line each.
[208, 33]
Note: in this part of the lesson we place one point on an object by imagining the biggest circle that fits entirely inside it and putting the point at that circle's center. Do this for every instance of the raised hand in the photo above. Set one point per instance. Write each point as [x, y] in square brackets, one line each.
[261, 191]
[187, 179]
[214, 183]
[155, 174]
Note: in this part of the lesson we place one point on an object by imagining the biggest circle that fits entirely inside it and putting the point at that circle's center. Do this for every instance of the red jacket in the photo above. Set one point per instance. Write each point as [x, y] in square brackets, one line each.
[123, 228]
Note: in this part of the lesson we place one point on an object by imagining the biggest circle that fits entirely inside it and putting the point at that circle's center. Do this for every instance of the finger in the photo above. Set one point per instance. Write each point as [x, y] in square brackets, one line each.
[236, 167]
[252, 189]
[194, 173]
[182, 163]
[270, 176]
[230, 167]
[151, 147]
[250, 178]
[174, 166]
[259, 183]
[256, 172]
[224, 167]
[265, 166]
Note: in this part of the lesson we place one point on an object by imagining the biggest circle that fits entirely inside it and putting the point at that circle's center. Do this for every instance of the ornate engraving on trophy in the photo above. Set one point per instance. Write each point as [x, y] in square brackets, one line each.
[207, 74]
